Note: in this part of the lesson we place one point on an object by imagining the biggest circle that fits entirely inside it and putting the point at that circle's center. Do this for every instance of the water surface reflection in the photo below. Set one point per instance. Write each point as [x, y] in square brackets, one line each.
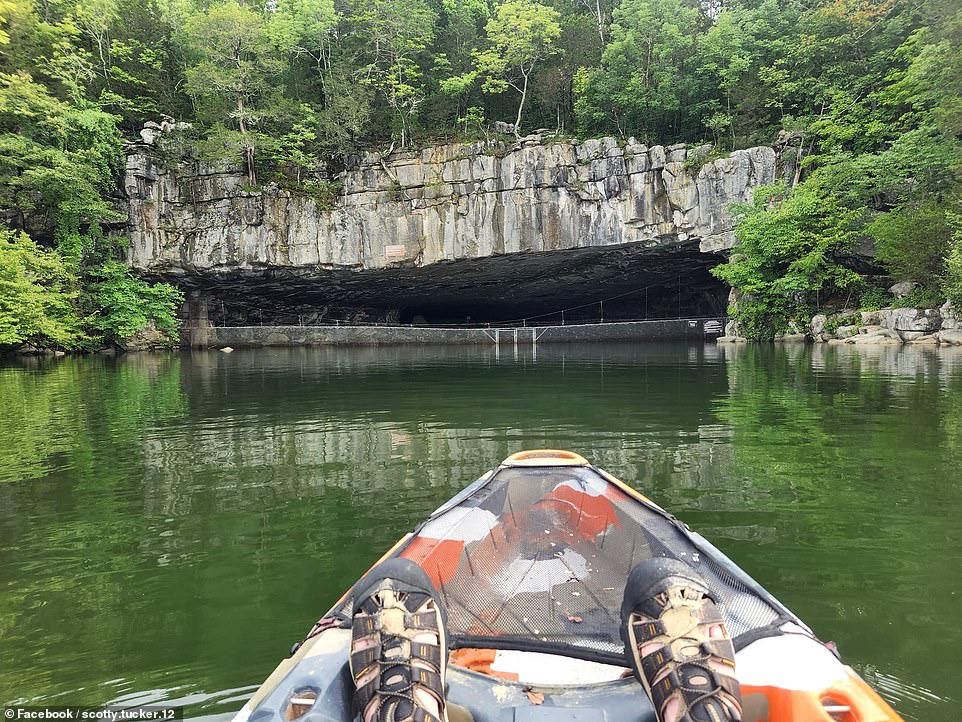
[170, 524]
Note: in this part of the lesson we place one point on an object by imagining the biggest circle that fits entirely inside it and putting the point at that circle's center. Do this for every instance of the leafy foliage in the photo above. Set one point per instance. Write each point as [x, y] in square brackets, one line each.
[911, 241]
[54, 157]
[124, 304]
[920, 297]
[788, 251]
[36, 295]
[646, 79]
[229, 77]
[952, 281]
[520, 34]
[873, 298]
[865, 94]
[48, 299]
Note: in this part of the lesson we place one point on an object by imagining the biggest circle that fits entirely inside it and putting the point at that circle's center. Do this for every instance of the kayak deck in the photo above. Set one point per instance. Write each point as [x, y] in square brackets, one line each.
[535, 558]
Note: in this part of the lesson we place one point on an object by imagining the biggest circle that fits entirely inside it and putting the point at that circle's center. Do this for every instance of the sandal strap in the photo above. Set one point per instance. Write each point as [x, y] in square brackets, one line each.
[696, 697]
[720, 650]
[413, 601]
[652, 664]
[649, 629]
[364, 694]
[729, 685]
[424, 621]
[709, 614]
[430, 653]
[403, 710]
[363, 659]
[362, 626]
[422, 715]
[428, 678]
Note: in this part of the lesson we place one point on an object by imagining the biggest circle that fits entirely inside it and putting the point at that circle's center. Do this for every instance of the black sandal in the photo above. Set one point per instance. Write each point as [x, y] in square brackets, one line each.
[394, 604]
[666, 604]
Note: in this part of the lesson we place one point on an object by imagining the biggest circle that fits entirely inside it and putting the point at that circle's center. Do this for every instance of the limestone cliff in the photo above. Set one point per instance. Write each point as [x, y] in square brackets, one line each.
[446, 203]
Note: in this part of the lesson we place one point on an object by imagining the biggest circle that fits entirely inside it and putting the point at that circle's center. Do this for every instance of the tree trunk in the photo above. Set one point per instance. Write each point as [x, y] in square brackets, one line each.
[251, 170]
[248, 148]
[798, 160]
[524, 95]
[601, 23]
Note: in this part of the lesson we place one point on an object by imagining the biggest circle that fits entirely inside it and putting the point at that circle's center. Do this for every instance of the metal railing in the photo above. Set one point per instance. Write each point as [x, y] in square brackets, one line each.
[335, 323]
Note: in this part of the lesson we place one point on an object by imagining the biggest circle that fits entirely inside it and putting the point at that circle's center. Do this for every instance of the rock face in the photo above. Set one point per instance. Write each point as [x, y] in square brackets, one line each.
[911, 319]
[950, 337]
[147, 339]
[903, 289]
[891, 326]
[950, 317]
[447, 203]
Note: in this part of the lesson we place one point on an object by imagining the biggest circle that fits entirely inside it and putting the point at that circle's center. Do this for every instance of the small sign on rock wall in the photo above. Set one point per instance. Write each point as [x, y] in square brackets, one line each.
[394, 251]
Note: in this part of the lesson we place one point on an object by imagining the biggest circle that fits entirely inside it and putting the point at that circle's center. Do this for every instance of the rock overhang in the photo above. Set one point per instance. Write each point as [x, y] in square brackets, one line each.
[635, 281]
[458, 224]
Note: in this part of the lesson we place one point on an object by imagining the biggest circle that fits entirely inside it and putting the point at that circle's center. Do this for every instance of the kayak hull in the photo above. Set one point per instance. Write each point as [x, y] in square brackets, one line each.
[497, 675]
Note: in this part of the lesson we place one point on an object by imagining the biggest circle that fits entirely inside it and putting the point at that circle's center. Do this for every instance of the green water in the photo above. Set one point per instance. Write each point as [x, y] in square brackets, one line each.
[170, 524]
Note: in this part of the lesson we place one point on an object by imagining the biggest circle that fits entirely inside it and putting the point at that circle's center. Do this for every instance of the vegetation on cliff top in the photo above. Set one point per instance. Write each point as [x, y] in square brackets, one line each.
[864, 92]
[59, 160]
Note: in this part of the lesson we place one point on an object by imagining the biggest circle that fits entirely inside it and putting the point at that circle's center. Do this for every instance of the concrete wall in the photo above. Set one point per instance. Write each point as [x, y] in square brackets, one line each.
[255, 336]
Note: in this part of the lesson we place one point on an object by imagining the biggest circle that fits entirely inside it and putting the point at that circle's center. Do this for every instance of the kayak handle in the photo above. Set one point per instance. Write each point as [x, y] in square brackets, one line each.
[545, 457]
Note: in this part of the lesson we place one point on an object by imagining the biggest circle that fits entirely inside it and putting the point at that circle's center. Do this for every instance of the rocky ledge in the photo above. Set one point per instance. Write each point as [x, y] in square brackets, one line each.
[890, 326]
[885, 327]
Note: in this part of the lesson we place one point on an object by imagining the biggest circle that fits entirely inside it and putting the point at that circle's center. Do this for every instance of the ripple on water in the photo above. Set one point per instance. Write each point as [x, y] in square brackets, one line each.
[169, 525]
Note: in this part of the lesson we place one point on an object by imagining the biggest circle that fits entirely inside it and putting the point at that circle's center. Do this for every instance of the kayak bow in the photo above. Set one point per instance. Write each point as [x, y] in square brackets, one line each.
[531, 561]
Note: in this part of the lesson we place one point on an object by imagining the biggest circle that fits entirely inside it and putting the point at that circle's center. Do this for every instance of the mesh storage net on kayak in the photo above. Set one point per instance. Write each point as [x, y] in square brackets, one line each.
[536, 558]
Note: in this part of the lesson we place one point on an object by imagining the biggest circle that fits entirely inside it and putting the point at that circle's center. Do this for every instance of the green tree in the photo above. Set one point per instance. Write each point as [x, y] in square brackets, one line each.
[95, 18]
[520, 35]
[348, 108]
[952, 280]
[303, 28]
[397, 33]
[460, 32]
[121, 304]
[788, 256]
[291, 148]
[232, 74]
[911, 242]
[646, 81]
[36, 295]
[145, 77]
[55, 159]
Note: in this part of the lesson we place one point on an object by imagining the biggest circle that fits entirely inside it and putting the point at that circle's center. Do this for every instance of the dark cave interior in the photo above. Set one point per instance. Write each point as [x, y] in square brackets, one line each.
[630, 282]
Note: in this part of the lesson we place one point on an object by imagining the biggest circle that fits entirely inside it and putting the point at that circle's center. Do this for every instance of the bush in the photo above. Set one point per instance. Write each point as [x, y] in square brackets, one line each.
[833, 323]
[952, 280]
[36, 295]
[874, 298]
[920, 297]
[124, 304]
[49, 300]
[324, 193]
[911, 242]
[786, 256]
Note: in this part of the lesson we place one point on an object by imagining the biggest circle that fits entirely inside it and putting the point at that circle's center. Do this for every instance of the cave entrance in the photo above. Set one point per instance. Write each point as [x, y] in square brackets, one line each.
[621, 283]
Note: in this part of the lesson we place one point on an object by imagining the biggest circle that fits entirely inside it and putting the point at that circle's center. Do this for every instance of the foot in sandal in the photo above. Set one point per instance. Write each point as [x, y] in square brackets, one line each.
[399, 646]
[676, 643]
